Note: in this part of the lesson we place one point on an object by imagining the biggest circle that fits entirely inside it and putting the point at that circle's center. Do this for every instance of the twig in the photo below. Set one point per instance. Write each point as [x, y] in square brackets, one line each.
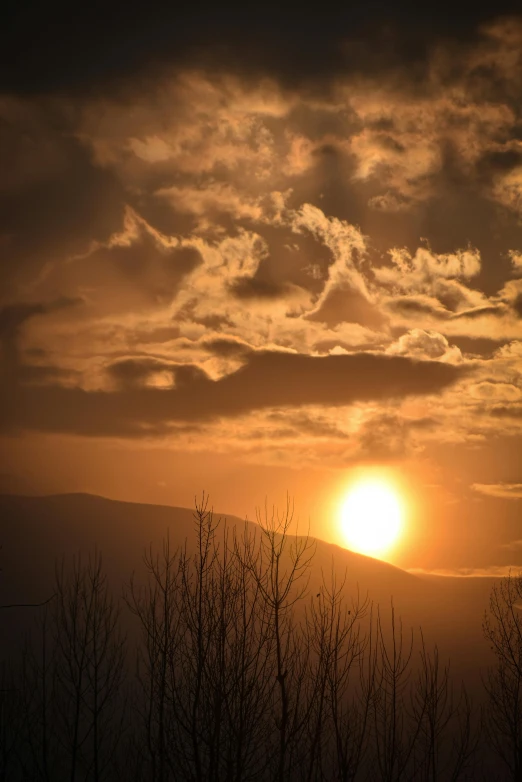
[28, 605]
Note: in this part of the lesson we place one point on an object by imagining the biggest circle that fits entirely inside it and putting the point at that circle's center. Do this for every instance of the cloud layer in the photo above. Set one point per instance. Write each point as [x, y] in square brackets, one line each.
[243, 258]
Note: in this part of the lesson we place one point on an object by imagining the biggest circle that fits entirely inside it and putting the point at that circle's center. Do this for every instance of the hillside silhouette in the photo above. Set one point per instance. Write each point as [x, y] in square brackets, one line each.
[38, 530]
[172, 643]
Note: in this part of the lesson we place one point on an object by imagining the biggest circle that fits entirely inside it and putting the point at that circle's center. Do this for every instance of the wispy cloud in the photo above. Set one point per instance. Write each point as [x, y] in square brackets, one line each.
[509, 491]
[492, 571]
[514, 545]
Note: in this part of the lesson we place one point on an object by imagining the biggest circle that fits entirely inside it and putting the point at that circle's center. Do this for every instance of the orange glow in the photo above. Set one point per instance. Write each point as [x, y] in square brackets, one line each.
[372, 516]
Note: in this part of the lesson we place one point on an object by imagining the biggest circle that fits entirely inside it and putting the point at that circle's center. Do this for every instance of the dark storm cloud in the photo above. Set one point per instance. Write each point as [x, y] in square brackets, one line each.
[56, 47]
[267, 379]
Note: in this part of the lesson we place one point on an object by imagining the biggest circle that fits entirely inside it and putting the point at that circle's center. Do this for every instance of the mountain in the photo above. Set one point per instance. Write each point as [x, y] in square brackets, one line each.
[37, 531]
[34, 531]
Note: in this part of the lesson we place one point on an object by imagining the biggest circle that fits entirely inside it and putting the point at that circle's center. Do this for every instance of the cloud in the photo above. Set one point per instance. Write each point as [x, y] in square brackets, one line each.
[266, 380]
[345, 295]
[503, 411]
[211, 221]
[257, 288]
[145, 371]
[226, 346]
[13, 317]
[53, 202]
[492, 571]
[384, 437]
[419, 271]
[495, 392]
[516, 262]
[136, 268]
[513, 350]
[496, 311]
[417, 307]
[418, 343]
[253, 41]
[508, 491]
[211, 201]
[515, 545]
[309, 424]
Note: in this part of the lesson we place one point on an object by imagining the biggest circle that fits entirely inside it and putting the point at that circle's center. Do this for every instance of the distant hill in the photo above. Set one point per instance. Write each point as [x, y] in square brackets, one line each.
[37, 531]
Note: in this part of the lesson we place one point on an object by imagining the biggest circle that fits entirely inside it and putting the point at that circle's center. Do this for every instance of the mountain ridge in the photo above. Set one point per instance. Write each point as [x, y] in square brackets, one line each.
[36, 532]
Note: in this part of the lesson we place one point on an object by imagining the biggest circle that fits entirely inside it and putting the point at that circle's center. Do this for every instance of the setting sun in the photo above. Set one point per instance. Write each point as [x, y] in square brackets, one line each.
[372, 517]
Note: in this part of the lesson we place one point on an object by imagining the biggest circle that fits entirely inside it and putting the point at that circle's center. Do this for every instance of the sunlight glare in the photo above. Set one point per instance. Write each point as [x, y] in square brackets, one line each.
[371, 517]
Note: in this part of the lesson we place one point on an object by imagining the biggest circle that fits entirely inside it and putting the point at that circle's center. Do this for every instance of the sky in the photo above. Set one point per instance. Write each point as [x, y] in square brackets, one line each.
[262, 252]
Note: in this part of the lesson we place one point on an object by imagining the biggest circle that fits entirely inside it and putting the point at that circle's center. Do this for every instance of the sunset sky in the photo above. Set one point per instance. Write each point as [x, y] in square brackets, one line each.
[264, 252]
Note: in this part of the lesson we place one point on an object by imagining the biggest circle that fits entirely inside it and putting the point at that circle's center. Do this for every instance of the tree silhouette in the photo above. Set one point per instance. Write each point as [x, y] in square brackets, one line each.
[237, 673]
[503, 682]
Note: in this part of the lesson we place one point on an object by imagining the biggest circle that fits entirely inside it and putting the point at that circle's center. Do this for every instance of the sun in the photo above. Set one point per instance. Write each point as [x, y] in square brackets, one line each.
[372, 516]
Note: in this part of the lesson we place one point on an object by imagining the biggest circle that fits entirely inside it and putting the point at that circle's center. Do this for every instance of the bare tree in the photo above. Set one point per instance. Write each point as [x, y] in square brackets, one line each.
[503, 682]
[338, 722]
[280, 567]
[11, 723]
[89, 660]
[445, 741]
[204, 665]
[241, 676]
[38, 694]
[393, 743]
